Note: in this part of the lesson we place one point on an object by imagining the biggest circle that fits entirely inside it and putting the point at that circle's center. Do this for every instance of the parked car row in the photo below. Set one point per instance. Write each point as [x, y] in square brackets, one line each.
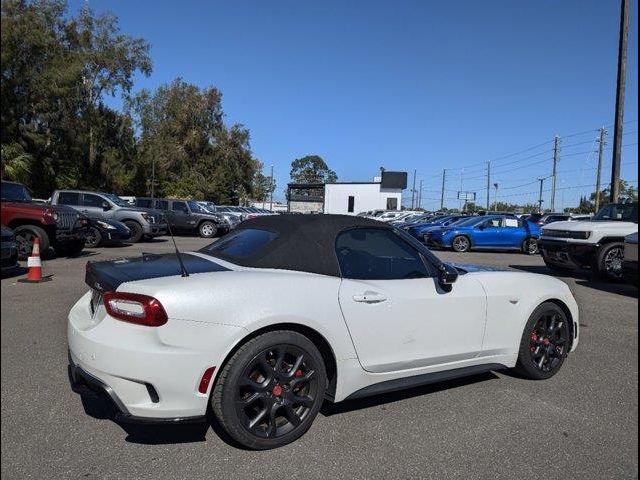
[71, 220]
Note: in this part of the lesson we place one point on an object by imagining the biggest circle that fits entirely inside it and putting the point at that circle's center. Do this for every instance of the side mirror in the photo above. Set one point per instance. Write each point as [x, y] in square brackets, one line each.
[106, 206]
[447, 276]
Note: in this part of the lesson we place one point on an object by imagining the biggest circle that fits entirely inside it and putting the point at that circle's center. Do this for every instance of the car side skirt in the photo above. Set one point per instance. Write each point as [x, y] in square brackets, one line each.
[425, 379]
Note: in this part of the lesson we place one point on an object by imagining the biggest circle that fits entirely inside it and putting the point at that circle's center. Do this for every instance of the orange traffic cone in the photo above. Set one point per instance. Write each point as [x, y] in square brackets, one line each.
[35, 265]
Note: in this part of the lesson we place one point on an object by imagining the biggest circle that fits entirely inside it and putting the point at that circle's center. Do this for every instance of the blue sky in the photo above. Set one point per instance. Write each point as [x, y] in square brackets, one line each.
[406, 85]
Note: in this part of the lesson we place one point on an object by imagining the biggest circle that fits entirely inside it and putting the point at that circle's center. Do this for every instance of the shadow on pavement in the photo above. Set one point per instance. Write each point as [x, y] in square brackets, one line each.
[330, 408]
[100, 407]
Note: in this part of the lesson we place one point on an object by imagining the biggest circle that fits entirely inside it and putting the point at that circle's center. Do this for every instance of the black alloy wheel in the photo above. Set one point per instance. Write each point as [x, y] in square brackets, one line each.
[545, 342]
[25, 235]
[94, 238]
[270, 391]
[609, 262]
[277, 390]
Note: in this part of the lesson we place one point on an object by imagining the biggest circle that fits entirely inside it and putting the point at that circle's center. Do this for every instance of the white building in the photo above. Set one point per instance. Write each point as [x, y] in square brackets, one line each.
[349, 198]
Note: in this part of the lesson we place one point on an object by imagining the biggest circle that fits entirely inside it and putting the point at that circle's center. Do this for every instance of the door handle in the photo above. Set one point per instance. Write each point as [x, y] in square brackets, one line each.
[369, 297]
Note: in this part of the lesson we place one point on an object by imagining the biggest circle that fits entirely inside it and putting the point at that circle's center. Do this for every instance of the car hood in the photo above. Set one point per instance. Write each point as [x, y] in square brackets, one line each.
[36, 207]
[107, 276]
[471, 268]
[582, 226]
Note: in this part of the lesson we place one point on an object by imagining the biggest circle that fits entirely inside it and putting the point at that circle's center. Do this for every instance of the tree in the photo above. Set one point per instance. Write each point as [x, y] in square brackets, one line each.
[627, 192]
[55, 69]
[311, 169]
[185, 143]
[16, 163]
[108, 60]
[262, 186]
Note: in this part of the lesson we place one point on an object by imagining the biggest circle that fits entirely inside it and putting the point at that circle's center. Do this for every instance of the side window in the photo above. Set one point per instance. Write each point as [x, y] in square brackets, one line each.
[68, 198]
[143, 202]
[162, 204]
[178, 206]
[377, 254]
[89, 200]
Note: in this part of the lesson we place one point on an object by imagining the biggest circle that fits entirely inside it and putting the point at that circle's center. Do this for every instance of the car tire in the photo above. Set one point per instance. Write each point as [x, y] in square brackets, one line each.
[25, 235]
[461, 244]
[255, 394]
[207, 229]
[530, 246]
[545, 343]
[136, 230]
[94, 238]
[608, 262]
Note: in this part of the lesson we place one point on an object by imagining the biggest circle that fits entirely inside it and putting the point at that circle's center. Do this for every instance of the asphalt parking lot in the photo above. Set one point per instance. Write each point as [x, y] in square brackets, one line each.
[583, 423]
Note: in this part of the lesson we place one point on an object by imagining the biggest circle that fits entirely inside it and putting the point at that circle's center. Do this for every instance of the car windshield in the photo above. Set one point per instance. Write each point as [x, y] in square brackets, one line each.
[15, 192]
[116, 199]
[195, 207]
[240, 243]
[622, 212]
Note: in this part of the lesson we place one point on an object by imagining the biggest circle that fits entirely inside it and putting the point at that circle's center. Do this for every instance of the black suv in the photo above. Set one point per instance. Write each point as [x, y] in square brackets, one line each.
[187, 216]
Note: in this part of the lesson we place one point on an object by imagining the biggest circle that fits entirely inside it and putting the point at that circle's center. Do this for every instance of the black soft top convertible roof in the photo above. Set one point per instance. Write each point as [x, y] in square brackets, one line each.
[304, 243]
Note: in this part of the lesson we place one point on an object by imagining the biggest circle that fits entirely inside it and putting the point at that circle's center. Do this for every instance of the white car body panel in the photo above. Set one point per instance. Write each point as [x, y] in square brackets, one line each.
[406, 327]
[599, 230]
[210, 314]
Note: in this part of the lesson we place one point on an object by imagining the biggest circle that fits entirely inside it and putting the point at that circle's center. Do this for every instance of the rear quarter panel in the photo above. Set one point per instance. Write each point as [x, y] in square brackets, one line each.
[248, 299]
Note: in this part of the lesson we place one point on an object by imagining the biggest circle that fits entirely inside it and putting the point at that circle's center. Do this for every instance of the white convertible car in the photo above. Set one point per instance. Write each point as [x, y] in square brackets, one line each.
[260, 327]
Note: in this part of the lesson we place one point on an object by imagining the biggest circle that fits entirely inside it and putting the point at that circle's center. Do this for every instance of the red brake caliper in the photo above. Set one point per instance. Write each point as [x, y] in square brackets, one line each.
[298, 373]
[534, 338]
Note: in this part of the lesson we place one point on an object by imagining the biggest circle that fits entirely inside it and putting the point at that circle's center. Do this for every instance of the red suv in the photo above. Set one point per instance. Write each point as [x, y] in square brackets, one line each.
[60, 227]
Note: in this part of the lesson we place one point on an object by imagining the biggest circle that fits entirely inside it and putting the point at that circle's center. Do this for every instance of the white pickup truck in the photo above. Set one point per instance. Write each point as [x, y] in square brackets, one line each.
[597, 244]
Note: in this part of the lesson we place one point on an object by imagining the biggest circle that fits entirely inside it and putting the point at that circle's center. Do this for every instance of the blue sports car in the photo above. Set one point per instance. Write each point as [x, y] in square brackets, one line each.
[419, 230]
[487, 232]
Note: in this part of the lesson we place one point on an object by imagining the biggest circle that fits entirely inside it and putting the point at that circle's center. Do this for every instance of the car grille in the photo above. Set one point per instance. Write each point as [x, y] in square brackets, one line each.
[564, 234]
[66, 220]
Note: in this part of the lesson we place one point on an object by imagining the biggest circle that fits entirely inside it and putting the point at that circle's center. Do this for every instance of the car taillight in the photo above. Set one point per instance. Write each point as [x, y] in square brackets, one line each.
[135, 308]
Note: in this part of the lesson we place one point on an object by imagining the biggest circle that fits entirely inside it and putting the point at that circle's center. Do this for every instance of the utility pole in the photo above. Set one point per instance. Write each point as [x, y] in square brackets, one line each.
[444, 180]
[495, 197]
[601, 144]
[540, 200]
[271, 190]
[488, 185]
[554, 175]
[420, 195]
[622, 74]
[413, 191]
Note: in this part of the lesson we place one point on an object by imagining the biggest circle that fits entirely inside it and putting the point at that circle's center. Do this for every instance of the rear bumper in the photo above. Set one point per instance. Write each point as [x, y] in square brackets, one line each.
[82, 382]
[153, 373]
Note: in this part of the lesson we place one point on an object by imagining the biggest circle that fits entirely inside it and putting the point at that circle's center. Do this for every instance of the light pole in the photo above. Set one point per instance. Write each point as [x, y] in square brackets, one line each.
[271, 190]
[495, 197]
